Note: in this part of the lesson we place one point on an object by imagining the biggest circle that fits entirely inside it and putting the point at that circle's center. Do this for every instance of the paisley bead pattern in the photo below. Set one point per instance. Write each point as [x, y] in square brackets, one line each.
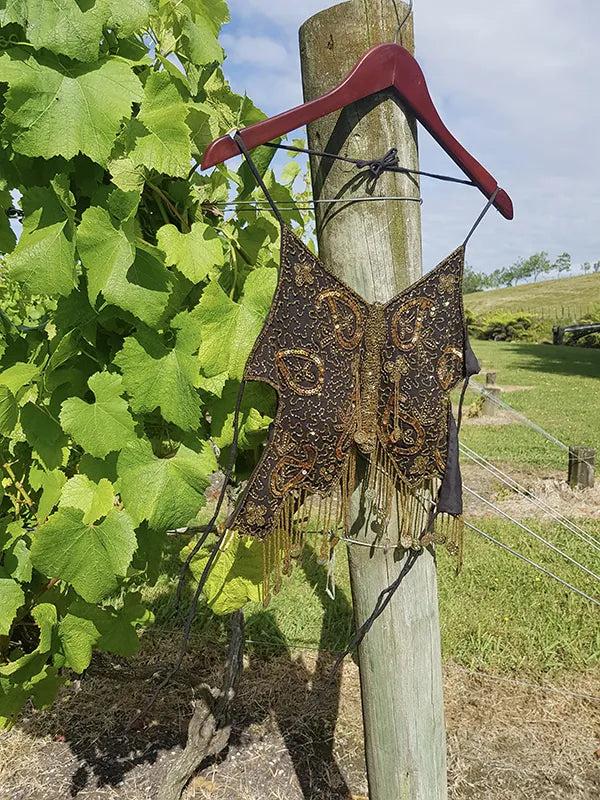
[352, 378]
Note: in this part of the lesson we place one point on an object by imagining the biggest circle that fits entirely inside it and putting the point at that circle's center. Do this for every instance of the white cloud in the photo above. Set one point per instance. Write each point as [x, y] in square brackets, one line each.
[286, 13]
[257, 50]
[517, 84]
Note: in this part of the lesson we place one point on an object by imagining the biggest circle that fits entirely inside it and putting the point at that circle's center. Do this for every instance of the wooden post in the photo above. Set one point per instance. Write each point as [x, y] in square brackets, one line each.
[558, 334]
[490, 379]
[376, 248]
[490, 408]
[581, 467]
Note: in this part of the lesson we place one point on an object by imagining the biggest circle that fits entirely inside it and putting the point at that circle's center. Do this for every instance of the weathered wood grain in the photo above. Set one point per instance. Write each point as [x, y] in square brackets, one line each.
[376, 248]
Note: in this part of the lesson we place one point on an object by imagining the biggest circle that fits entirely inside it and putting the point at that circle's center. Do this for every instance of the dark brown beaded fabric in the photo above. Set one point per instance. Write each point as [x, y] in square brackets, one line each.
[354, 377]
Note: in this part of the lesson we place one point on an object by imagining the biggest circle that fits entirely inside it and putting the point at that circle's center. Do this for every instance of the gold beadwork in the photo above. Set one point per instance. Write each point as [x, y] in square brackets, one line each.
[303, 371]
[408, 321]
[370, 379]
[353, 377]
[346, 315]
[303, 274]
[255, 514]
[450, 367]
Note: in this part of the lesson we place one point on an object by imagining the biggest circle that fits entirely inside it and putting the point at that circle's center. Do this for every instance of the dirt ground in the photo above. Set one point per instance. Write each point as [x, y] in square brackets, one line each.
[548, 485]
[294, 736]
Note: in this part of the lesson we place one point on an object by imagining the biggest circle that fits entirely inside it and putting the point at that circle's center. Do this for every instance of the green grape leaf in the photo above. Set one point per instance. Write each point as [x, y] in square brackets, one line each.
[89, 557]
[18, 375]
[126, 175]
[94, 499]
[156, 377]
[64, 27]
[78, 635]
[28, 665]
[195, 254]
[87, 626]
[7, 236]
[118, 628]
[9, 413]
[123, 205]
[103, 248]
[11, 599]
[229, 329]
[45, 92]
[10, 532]
[44, 435]
[96, 468]
[12, 700]
[51, 484]
[149, 554]
[44, 686]
[12, 11]
[290, 172]
[44, 258]
[202, 43]
[215, 12]
[17, 562]
[132, 278]
[162, 138]
[128, 16]
[167, 492]
[236, 575]
[256, 414]
[41, 687]
[102, 426]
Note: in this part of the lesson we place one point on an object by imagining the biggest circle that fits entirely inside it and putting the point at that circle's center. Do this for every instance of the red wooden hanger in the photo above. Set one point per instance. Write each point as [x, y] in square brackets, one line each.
[382, 67]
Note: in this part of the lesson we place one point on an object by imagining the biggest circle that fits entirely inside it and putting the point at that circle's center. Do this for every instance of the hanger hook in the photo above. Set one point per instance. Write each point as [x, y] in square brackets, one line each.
[401, 23]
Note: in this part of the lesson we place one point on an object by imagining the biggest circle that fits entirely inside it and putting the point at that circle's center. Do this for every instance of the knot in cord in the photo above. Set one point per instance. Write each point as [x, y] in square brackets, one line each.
[378, 165]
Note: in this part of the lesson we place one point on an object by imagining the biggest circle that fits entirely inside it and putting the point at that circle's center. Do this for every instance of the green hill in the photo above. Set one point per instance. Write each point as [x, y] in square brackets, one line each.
[562, 298]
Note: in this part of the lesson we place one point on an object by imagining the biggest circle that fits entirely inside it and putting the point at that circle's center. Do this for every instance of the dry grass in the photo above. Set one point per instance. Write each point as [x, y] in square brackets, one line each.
[294, 738]
[562, 297]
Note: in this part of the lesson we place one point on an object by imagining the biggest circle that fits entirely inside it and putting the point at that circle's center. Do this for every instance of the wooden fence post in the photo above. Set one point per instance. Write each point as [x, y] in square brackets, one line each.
[558, 334]
[376, 248]
[581, 467]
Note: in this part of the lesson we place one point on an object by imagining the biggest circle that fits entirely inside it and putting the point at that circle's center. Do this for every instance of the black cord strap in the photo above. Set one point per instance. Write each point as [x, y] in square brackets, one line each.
[388, 163]
[240, 143]
[382, 602]
[482, 215]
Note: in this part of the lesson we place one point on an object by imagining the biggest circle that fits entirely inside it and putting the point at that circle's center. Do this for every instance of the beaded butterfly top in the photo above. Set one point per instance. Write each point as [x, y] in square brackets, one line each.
[356, 380]
[352, 375]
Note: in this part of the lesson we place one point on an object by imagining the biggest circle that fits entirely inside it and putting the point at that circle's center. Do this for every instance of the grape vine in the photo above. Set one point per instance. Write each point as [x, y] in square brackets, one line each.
[129, 301]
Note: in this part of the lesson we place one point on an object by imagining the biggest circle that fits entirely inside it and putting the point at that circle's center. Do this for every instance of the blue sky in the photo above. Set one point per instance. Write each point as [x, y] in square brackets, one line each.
[516, 83]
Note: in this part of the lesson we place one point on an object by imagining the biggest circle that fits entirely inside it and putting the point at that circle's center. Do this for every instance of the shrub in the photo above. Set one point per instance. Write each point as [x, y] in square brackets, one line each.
[504, 326]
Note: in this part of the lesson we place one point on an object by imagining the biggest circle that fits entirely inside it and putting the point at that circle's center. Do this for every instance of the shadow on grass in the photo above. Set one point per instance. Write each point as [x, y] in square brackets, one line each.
[94, 715]
[558, 359]
[308, 728]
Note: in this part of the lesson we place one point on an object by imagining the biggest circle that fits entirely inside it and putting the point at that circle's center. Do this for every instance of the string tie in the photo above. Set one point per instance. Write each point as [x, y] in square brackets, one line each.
[378, 165]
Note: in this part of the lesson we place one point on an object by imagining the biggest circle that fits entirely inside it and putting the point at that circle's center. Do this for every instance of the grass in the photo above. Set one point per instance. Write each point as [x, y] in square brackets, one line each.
[499, 615]
[562, 396]
[562, 298]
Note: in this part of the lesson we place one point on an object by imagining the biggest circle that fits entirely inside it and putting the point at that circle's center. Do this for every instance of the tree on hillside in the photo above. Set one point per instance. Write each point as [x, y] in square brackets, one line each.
[596, 266]
[494, 279]
[537, 264]
[472, 281]
[586, 267]
[516, 272]
[562, 263]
